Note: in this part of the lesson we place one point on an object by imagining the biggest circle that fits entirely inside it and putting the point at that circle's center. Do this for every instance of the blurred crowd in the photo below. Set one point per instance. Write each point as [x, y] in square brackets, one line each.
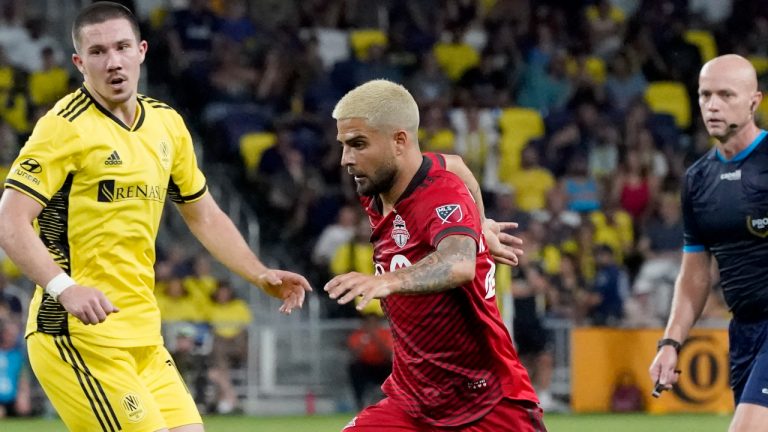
[578, 118]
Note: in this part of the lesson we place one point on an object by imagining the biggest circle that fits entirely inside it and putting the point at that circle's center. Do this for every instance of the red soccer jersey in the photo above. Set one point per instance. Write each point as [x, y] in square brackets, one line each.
[453, 356]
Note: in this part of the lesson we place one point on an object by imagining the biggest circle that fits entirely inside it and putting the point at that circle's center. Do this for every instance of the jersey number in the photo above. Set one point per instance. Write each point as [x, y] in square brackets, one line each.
[490, 281]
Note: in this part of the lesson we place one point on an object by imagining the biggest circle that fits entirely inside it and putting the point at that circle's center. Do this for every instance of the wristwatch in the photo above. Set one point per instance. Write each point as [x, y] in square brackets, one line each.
[671, 342]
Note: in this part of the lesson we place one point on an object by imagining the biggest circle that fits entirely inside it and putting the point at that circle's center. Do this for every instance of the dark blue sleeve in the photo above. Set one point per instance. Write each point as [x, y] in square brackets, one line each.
[691, 236]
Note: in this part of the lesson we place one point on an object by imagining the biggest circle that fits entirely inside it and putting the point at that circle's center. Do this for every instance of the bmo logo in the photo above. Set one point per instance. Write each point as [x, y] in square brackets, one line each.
[398, 262]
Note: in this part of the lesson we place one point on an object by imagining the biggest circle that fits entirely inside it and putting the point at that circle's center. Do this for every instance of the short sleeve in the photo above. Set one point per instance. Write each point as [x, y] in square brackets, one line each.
[692, 241]
[50, 155]
[450, 210]
[187, 182]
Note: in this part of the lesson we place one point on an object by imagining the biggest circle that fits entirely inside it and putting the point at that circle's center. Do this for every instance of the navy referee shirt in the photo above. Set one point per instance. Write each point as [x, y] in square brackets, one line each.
[725, 212]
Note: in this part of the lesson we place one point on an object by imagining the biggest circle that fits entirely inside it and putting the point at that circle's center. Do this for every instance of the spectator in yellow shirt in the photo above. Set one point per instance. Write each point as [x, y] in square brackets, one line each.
[229, 317]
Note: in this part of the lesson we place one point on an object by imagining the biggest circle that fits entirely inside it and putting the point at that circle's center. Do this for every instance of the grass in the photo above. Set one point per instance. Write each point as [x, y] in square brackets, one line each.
[334, 423]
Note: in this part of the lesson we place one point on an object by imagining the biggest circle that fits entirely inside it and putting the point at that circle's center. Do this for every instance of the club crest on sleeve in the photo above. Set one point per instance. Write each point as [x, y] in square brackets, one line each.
[450, 213]
[400, 233]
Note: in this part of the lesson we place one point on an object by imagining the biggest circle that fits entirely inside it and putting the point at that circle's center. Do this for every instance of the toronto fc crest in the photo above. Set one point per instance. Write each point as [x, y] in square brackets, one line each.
[400, 233]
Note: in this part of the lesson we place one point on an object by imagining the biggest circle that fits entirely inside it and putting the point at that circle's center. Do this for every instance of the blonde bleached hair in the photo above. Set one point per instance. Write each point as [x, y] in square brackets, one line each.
[385, 106]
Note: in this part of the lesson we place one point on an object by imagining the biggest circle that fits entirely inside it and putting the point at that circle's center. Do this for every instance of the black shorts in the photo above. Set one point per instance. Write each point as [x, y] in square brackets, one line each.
[749, 362]
[531, 338]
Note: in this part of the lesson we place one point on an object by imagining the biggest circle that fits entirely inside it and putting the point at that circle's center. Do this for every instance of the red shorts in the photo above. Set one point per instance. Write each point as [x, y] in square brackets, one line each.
[507, 416]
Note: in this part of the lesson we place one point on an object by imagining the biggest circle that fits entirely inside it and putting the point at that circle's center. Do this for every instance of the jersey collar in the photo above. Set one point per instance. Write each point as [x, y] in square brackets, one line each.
[744, 153]
[416, 181]
[137, 124]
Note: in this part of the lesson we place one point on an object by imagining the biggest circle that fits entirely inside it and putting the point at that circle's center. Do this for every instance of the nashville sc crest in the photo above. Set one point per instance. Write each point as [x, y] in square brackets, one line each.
[400, 233]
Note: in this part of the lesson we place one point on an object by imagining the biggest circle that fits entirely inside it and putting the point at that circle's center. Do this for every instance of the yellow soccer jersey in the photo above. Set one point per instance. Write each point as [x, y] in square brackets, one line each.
[103, 185]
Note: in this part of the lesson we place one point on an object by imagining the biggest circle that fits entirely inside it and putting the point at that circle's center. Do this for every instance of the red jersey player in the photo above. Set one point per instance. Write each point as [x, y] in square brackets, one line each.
[455, 367]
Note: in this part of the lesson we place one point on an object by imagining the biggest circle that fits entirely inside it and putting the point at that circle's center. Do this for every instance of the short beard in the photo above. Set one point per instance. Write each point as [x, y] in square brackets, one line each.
[381, 181]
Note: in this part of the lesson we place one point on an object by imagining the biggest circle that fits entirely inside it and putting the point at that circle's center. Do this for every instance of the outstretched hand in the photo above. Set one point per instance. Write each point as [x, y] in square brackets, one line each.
[346, 287]
[505, 248]
[287, 286]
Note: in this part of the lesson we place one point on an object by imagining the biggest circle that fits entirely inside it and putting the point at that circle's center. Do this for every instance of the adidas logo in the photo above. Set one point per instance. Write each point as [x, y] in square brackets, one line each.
[113, 159]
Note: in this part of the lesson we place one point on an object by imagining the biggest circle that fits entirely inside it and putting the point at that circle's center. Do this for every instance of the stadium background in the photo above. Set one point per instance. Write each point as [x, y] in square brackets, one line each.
[578, 117]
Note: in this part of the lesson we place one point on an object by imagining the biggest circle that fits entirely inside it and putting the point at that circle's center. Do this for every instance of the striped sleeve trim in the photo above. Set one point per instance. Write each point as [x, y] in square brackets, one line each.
[73, 105]
[26, 190]
[457, 230]
[77, 114]
[693, 248]
[197, 195]
[177, 197]
[154, 103]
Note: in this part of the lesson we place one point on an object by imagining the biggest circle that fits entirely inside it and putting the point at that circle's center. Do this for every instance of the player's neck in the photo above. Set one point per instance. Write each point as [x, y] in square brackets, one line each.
[738, 141]
[124, 111]
[405, 174]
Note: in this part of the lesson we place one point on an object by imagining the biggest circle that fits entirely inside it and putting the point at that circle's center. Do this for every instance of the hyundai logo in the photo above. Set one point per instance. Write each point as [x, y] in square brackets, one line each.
[32, 166]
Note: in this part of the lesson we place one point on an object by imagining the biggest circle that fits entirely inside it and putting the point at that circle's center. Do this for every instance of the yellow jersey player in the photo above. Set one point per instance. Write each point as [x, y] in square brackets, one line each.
[80, 214]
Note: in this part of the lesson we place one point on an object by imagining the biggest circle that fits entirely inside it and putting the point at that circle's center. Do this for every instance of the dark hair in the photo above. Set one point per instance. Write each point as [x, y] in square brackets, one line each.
[99, 12]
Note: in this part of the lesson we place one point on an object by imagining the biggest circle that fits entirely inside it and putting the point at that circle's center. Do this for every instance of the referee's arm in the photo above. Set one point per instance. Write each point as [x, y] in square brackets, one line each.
[691, 292]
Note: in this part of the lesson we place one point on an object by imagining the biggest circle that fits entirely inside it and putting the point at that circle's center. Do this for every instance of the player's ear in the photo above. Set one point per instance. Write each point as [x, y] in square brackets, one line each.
[756, 99]
[78, 62]
[143, 47]
[401, 140]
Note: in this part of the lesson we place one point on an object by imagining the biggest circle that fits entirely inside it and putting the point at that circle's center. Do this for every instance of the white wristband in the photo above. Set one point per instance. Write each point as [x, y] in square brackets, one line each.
[58, 284]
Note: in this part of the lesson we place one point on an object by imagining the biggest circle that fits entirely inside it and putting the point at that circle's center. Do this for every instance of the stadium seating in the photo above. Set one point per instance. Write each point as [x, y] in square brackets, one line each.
[761, 114]
[760, 63]
[616, 14]
[704, 41]
[363, 39]
[252, 145]
[593, 65]
[670, 97]
[441, 141]
[518, 126]
[455, 58]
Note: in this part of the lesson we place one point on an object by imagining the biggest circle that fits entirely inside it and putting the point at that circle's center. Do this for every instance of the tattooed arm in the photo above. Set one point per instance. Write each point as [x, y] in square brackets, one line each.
[450, 266]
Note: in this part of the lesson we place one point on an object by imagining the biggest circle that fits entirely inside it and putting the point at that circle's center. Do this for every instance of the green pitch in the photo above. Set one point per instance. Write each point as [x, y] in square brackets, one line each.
[554, 422]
